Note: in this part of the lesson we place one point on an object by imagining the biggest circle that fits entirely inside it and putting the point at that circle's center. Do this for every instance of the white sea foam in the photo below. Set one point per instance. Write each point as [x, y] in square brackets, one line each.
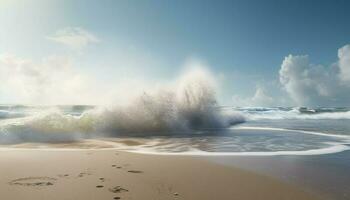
[335, 148]
[332, 147]
[164, 146]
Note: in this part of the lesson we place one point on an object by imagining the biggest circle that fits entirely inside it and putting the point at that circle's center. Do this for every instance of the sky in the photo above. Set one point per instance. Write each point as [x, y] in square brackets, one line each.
[262, 53]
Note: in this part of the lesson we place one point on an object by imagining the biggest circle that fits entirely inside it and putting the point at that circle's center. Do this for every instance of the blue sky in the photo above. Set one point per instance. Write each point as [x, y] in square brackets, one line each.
[244, 42]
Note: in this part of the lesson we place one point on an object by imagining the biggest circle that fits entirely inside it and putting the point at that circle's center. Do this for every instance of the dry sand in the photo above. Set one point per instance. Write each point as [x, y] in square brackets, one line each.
[75, 175]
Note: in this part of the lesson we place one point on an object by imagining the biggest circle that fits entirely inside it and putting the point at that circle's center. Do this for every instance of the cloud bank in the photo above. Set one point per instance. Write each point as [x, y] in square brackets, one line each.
[317, 85]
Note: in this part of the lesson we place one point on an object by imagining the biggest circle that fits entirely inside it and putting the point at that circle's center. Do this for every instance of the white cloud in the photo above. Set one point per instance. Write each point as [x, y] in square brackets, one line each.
[260, 98]
[56, 81]
[344, 63]
[74, 37]
[52, 80]
[317, 85]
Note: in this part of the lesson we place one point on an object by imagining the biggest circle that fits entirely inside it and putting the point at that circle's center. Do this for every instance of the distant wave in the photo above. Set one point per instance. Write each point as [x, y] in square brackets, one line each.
[5, 114]
[256, 113]
[291, 130]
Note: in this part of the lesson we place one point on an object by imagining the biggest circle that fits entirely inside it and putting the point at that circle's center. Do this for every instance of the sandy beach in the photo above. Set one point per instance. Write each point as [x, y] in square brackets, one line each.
[108, 174]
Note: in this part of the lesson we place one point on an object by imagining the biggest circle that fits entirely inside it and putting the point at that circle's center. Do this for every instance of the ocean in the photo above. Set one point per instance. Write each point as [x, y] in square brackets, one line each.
[250, 131]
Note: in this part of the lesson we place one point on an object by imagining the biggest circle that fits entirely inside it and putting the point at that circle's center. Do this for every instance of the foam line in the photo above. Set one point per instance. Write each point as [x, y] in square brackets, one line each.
[333, 148]
[329, 150]
[290, 130]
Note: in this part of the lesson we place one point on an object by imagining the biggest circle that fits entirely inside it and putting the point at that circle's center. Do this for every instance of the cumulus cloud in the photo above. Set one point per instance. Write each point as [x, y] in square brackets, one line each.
[344, 63]
[260, 98]
[317, 85]
[74, 37]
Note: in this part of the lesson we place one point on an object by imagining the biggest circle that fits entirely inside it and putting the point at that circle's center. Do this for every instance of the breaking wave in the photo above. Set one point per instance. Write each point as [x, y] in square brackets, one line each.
[190, 105]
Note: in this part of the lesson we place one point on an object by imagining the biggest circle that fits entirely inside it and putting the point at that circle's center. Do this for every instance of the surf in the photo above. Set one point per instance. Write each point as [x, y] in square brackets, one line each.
[188, 105]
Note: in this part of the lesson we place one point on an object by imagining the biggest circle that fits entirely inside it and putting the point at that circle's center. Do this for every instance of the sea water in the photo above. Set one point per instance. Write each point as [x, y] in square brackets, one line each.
[216, 130]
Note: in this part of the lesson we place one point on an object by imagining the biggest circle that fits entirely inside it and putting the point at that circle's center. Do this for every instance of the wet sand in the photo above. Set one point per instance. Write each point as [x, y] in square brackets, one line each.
[326, 175]
[108, 174]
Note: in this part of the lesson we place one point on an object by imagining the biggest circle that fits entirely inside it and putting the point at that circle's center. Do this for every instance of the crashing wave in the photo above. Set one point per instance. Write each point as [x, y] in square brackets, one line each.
[191, 105]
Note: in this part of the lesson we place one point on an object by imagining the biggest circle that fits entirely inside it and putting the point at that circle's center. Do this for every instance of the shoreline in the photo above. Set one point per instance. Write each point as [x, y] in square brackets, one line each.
[112, 174]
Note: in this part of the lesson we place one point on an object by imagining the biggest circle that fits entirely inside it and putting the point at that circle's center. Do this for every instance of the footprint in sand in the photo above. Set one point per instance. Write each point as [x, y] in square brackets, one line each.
[33, 181]
[102, 179]
[118, 167]
[63, 175]
[82, 174]
[118, 189]
[135, 171]
[165, 189]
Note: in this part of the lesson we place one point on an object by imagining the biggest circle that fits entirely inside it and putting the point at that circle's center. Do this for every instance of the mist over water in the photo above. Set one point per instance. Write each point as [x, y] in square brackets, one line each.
[188, 106]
